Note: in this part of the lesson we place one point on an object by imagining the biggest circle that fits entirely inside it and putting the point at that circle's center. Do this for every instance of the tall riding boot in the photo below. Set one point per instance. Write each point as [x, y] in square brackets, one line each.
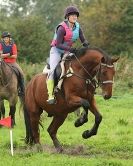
[50, 88]
[21, 90]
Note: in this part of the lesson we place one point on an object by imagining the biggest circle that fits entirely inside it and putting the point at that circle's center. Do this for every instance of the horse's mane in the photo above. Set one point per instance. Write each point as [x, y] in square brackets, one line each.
[82, 51]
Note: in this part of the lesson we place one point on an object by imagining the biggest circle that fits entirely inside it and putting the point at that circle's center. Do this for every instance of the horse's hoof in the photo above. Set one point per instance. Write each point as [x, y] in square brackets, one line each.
[38, 147]
[26, 140]
[79, 123]
[51, 101]
[86, 134]
[59, 150]
[13, 123]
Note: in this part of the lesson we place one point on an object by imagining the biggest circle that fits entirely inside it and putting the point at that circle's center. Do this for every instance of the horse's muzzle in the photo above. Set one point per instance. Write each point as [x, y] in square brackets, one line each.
[106, 96]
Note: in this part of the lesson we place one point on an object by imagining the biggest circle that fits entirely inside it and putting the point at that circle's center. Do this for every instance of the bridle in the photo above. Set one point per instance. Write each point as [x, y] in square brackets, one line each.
[106, 81]
[91, 80]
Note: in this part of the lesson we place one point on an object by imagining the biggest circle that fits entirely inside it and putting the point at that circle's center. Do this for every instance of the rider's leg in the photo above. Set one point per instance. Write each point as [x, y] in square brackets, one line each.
[55, 57]
[21, 86]
[21, 90]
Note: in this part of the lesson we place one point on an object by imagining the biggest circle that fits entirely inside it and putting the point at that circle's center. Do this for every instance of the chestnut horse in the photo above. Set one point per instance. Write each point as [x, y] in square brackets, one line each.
[86, 70]
[8, 90]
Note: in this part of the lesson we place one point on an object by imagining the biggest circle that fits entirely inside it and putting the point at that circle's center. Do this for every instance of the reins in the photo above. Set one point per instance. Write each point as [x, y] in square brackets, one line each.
[91, 80]
[94, 80]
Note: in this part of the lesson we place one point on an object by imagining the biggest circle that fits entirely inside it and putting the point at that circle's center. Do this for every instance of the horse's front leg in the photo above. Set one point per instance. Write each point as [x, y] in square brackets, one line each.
[2, 109]
[12, 104]
[98, 118]
[78, 101]
[12, 114]
[83, 118]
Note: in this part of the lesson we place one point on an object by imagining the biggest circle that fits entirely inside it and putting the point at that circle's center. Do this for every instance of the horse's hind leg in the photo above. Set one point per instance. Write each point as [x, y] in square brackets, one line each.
[52, 130]
[32, 117]
[98, 118]
[34, 121]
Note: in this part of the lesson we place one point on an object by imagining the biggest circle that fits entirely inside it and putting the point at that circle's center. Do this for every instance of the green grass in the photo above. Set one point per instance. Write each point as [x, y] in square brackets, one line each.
[112, 146]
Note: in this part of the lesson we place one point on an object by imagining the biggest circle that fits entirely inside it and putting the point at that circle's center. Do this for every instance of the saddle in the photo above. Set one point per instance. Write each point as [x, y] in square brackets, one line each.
[59, 72]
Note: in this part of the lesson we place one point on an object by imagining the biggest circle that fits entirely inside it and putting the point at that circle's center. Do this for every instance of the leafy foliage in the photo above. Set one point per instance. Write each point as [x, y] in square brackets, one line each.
[32, 38]
[106, 24]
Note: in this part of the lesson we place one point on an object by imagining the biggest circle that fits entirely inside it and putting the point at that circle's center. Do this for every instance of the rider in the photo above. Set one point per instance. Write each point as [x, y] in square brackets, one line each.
[8, 51]
[66, 33]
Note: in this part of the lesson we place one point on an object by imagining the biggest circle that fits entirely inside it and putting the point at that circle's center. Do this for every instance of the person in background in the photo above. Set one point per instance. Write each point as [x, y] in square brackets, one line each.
[8, 52]
[66, 33]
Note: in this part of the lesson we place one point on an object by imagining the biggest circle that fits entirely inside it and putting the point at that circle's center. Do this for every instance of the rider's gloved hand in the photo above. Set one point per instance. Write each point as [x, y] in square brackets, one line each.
[86, 44]
[73, 50]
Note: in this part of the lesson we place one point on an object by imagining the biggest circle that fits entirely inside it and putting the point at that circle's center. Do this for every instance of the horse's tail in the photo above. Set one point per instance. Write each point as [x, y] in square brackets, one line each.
[21, 98]
[29, 136]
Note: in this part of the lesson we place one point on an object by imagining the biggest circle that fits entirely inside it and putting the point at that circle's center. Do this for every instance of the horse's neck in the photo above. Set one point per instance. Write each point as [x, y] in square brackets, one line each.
[86, 63]
[5, 70]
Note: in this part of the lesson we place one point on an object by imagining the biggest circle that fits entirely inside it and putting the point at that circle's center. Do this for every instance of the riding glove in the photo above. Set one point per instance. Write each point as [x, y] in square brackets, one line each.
[73, 50]
[86, 44]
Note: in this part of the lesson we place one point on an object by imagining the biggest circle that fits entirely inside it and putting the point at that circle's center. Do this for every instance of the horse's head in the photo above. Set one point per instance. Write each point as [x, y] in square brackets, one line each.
[106, 75]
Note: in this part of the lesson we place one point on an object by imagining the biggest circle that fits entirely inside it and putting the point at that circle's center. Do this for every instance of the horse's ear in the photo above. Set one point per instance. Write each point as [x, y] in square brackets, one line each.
[103, 60]
[114, 59]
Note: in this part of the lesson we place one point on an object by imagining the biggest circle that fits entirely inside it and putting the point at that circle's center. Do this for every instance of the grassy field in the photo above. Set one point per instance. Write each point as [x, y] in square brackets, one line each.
[113, 146]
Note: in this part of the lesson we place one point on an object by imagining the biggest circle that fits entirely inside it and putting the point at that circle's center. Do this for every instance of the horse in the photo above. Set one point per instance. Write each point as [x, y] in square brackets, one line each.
[88, 69]
[8, 89]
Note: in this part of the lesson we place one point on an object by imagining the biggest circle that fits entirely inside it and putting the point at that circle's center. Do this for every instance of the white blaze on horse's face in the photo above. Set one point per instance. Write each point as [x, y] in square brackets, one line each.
[107, 79]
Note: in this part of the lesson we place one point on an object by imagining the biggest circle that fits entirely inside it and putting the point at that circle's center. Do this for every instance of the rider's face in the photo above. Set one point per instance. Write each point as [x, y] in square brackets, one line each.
[72, 18]
[6, 40]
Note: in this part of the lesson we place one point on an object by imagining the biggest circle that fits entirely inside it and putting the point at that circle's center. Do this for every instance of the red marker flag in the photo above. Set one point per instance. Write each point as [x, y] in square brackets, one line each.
[6, 121]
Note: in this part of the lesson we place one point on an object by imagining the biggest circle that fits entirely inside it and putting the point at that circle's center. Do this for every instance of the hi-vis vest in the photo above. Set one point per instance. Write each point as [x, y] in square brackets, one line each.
[70, 37]
[7, 49]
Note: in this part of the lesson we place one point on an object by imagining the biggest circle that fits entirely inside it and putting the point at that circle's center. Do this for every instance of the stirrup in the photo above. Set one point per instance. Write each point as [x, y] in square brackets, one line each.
[57, 89]
[51, 101]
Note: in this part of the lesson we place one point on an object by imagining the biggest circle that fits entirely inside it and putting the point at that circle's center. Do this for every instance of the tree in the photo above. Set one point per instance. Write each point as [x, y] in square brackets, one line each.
[17, 8]
[33, 39]
[122, 31]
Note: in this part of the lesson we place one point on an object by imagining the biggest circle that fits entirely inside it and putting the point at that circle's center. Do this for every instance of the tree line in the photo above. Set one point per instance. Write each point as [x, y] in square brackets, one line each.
[107, 24]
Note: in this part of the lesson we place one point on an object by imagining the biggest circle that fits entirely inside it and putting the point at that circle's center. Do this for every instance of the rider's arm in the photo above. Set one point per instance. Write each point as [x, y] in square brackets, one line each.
[81, 35]
[1, 51]
[82, 38]
[14, 51]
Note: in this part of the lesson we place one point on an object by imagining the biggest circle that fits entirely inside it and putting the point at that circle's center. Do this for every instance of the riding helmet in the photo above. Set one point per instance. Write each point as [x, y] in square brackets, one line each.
[5, 34]
[71, 10]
